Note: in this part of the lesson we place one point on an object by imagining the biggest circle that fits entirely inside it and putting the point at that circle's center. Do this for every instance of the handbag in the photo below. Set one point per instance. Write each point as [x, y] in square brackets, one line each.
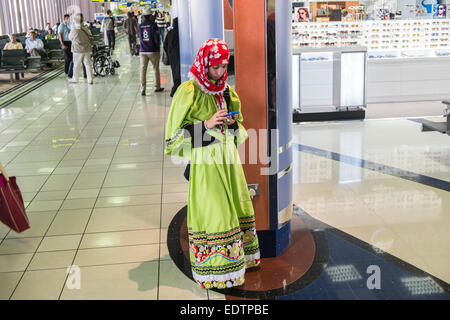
[12, 208]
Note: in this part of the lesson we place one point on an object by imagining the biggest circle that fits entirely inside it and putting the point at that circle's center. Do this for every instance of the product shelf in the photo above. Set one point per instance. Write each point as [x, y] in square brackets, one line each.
[399, 36]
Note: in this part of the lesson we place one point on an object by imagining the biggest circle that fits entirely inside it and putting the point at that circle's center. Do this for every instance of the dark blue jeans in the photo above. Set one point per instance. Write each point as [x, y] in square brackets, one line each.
[111, 35]
[161, 35]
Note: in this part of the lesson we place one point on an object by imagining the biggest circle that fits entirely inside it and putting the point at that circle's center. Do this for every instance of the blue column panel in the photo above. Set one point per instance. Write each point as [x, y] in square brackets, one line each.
[184, 32]
[283, 31]
[206, 22]
[285, 188]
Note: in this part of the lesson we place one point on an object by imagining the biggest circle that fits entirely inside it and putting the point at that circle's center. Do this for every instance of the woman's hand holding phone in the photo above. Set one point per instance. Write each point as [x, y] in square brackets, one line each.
[232, 117]
[221, 117]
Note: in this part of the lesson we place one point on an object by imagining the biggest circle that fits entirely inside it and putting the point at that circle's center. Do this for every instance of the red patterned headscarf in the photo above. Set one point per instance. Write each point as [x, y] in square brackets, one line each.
[212, 53]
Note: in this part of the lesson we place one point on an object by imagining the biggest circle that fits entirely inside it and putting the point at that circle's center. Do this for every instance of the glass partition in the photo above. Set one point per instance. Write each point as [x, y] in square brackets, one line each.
[407, 43]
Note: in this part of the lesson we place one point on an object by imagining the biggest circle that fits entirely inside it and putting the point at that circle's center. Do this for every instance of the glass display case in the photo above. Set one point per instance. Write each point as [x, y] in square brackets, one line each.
[329, 83]
[407, 43]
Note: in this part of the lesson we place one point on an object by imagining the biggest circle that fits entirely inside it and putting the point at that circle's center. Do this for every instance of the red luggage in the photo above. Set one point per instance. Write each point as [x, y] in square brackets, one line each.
[12, 208]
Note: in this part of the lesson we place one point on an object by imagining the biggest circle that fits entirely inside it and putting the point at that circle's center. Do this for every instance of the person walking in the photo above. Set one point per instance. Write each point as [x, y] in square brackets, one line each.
[172, 48]
[109, 26]
[130, 27]
[167, 18]
[161, 23]
[82, 42]
[149, 49]
[221, 223]
[63, 36]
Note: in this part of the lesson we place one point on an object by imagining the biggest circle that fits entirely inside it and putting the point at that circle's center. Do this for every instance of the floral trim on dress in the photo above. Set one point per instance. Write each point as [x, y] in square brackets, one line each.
[249, 237]
[218, 260]
[222, 284]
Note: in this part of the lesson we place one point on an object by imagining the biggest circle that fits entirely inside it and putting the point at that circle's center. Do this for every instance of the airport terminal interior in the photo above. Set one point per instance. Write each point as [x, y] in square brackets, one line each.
[370, 196]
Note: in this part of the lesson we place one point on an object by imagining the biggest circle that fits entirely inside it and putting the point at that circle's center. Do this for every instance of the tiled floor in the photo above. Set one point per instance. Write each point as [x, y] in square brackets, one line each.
[6, 84]
[99, 192]
[386, 183]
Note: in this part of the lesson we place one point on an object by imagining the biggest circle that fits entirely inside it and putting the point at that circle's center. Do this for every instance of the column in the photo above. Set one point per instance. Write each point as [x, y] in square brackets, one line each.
[263, 82]
[198, 21]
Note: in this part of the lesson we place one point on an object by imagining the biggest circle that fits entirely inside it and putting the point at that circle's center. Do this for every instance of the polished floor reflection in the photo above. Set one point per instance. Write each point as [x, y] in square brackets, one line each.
[381, 188]
[99, 192]
[101, 196]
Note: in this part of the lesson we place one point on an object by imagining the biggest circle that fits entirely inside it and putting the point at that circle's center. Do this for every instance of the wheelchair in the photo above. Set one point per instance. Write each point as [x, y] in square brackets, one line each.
[103, 63]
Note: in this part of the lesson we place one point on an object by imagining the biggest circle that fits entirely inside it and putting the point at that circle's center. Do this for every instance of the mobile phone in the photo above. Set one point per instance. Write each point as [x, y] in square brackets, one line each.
[232, 113]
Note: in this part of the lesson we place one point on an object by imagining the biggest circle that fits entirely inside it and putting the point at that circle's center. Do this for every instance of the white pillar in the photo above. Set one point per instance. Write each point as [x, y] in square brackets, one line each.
[198, 21]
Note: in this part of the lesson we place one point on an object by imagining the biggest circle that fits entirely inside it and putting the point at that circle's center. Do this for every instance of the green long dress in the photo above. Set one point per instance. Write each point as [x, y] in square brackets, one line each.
[221, 222]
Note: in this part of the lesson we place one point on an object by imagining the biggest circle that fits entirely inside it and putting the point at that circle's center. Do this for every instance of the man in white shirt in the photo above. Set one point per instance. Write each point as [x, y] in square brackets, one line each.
[34, 46]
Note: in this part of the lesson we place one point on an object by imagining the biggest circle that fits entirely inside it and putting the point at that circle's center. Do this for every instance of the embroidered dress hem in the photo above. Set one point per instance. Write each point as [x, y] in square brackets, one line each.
[224, 281]
[252, 261]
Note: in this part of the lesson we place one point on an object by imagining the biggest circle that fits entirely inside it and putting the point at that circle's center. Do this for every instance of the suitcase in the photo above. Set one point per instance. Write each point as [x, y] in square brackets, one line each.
[12, 208]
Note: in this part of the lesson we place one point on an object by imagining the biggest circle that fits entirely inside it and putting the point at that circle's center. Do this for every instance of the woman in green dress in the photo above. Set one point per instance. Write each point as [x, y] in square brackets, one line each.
[221, 221]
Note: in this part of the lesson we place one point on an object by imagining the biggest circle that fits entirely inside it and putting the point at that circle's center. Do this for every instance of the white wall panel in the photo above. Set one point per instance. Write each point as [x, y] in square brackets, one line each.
[16, 16]
[408, 80]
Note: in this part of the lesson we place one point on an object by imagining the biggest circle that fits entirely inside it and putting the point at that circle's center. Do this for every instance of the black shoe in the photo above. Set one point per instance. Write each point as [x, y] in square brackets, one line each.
[159, 90]
[142, 93]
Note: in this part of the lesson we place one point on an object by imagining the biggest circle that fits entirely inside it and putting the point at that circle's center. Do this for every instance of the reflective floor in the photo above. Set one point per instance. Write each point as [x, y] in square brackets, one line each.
[101, 195]
[99, 192]
[381, 189]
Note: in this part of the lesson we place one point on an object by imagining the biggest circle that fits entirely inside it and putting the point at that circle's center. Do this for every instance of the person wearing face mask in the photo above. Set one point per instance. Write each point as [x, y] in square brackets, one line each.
[222, 235]
[109, 26]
